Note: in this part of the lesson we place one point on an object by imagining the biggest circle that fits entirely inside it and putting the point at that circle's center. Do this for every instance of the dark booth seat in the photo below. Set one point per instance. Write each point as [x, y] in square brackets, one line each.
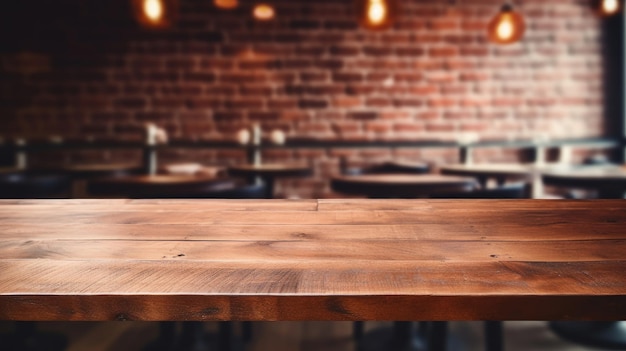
[519, 190]
[386, 167]
[34, 185]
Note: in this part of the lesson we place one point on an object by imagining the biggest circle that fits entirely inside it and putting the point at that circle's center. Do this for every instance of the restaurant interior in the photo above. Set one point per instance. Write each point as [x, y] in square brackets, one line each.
[312, 99]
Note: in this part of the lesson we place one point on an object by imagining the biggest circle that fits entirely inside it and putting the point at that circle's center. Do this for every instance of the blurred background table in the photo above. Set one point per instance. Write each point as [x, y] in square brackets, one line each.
[503, 173]
[608, 181]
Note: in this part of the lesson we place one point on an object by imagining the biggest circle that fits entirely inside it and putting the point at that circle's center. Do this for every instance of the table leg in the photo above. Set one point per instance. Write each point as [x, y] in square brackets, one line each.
[27, 338]
[194, 338]
[598, 334]
[493, 336]
[438, 336]
[269, 185]
[402, 337]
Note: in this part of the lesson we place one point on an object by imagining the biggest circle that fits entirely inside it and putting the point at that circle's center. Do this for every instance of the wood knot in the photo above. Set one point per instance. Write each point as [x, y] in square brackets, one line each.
[122, 317]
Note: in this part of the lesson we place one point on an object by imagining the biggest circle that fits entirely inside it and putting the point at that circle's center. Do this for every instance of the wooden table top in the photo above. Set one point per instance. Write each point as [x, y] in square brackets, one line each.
[335, 259]
[400, 185]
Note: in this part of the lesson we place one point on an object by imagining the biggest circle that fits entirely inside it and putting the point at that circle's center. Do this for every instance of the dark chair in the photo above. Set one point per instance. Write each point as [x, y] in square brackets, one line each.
[239, 191]
[385, 167]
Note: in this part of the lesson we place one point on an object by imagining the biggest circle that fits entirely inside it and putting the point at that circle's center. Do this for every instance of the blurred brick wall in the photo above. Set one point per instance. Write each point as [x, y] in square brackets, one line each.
[84, 68]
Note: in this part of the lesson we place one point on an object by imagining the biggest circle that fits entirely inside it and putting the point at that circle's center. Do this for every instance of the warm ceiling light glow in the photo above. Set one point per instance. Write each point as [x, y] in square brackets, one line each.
[375, 14]
[153, 9]
[610, 7]
[263, 12]
[377, 11]
[506, 27]
[155, 13]
[226, 4]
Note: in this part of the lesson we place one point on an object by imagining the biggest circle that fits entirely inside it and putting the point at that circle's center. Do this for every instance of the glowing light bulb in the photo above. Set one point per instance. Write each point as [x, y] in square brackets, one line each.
[153, 9]
[263, 12]
[610, 7]
[376, 14]
[506, 27]
[226, 4]
[377, 11]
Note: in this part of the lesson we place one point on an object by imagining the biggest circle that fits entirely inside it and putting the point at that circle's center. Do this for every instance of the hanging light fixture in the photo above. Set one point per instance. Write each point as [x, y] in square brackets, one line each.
[263, 12]
[609, 7]
[155, 13]
[226, 4]
[376, 14]
[507, 26]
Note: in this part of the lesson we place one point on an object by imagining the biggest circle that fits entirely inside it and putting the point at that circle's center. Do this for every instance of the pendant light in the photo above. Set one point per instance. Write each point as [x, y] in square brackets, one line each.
[609, 7]
[263, 12]
[507, 26]
[226, 4]
[155, 13]
[376, 14]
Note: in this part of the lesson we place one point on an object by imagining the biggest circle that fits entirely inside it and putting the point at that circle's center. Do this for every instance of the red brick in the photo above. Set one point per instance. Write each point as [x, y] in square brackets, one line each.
[314, 76]
[244, 103]
[346, 102]
[263, 116]
[363, 116]
[342, 127]
[378, 102]
[282, 103]
[312, 103]
[348, 77]
[130, 102]
[256, 90]
[410, 51]
[345, 50]
[203, 103]
[443, 52]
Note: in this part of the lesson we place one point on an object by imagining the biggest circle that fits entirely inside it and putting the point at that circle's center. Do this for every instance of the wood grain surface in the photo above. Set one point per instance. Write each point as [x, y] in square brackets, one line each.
[335, 259]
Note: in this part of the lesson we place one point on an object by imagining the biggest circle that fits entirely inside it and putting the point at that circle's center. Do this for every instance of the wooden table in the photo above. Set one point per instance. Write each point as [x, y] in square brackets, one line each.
[609, 181]
[503, 172]
[158, 185]
[400, 185]
[268, 172]
[485, 171]
[359, 259]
